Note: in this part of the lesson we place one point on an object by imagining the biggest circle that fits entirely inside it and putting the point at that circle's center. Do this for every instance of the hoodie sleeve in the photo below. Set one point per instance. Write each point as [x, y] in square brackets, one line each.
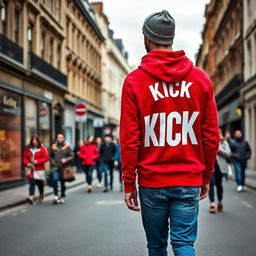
[209, 133]
[130, 133]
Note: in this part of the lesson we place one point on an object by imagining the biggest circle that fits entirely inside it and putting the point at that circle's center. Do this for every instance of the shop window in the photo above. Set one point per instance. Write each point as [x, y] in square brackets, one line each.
[31, 118]
[44, 123]
[4, 12]
[68, 135]
[10, 136]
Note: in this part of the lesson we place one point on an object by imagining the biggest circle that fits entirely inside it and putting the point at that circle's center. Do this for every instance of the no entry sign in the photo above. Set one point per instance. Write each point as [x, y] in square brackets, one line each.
[81, 109]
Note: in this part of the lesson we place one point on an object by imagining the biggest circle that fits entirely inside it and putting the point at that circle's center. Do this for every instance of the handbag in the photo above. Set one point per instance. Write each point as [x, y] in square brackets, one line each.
[28, 171]
[68, 174]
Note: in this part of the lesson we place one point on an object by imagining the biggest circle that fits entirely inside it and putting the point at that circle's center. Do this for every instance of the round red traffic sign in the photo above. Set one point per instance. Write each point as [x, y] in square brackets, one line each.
[81, 109]
[43, 112]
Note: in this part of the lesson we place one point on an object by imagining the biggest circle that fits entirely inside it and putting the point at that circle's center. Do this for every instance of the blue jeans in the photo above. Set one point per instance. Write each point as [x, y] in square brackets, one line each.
[176, 207]
[56, 177]
[98, 169]
[108, 166]
[88, 169]
[240, 173]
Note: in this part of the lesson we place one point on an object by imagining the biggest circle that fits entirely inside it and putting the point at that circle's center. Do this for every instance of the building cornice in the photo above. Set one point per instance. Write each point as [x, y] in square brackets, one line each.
[90, 20]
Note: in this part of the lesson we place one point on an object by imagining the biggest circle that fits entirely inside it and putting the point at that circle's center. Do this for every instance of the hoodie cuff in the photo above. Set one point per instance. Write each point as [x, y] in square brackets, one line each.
[207, 177]
[129, 187]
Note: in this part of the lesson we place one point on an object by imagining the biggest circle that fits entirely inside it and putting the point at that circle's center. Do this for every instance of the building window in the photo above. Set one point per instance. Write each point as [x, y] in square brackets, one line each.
[42, 45]
[30, 36]
[51, 6]
[16, 26]
[51, 51]
[58, 9]
[4, 12]
[58, 54]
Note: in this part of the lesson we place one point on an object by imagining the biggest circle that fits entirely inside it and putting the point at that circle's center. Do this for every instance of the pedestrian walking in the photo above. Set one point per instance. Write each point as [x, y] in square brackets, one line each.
[61, 157]
[241, 153]
[221, 168]
[77, 159]
[99, 163]
[117, 162]
[89, 153]
[34, 159]
[169, 138]
[107, 153]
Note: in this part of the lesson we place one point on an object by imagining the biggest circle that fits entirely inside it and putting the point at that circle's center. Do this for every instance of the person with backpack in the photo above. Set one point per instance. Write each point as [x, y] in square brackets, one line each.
[34, 159]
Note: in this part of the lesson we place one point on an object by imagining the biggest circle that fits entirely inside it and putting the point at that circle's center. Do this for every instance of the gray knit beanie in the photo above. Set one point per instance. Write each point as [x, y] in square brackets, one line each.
[159, 28]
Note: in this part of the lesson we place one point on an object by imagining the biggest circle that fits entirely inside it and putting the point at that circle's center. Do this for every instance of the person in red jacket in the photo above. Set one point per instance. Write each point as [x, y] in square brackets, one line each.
[89, 153]
[35, 156]
[169, 139]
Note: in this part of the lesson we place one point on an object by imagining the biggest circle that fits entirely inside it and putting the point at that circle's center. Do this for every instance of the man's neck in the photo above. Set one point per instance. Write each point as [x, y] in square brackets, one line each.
[162, 48]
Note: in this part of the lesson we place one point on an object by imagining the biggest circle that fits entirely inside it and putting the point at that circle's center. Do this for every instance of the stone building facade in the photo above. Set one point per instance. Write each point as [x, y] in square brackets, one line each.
[32, 79]
[83, 68]
[221, 54]
[115, 67]
[248, 92]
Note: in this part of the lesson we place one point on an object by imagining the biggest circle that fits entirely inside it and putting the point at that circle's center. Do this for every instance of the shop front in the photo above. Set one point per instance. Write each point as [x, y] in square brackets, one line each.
[79, 125]
[23, 113]
[10, 136]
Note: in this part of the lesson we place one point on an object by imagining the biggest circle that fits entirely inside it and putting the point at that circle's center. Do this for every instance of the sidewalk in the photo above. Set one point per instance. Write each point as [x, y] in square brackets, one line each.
[16, 196]
[250, 178]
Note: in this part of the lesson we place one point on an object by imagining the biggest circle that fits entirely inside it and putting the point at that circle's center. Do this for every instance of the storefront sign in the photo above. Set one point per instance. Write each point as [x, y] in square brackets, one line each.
[9, 104]
[48, 95]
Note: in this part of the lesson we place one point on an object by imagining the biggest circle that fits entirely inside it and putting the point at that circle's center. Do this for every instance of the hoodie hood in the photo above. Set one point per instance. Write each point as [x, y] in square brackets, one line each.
[168, 66]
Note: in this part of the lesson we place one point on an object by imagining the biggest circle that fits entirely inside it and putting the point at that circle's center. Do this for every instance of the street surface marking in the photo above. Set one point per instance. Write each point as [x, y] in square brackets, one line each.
[110, 202]
[22, 208]
[246, 204]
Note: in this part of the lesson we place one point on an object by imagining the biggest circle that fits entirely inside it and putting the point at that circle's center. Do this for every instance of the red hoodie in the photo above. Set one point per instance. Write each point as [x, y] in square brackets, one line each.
[89, 153]
[169, 126]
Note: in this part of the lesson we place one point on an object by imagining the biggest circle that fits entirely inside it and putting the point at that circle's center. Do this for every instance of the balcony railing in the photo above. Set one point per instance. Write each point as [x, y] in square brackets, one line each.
[42, 66]
[11, 49]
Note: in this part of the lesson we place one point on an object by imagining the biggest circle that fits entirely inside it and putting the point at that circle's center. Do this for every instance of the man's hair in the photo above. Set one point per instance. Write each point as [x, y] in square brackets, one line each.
[60, 133]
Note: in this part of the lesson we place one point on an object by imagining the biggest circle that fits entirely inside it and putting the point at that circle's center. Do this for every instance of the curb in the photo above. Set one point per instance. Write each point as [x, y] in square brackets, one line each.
[247, 185]
[24, 201]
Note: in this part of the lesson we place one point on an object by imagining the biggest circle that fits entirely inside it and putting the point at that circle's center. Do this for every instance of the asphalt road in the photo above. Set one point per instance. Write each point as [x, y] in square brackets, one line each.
[99, 224]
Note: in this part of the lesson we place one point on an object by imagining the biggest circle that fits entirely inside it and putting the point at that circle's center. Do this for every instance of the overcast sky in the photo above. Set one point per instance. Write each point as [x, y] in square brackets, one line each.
[126, 19]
